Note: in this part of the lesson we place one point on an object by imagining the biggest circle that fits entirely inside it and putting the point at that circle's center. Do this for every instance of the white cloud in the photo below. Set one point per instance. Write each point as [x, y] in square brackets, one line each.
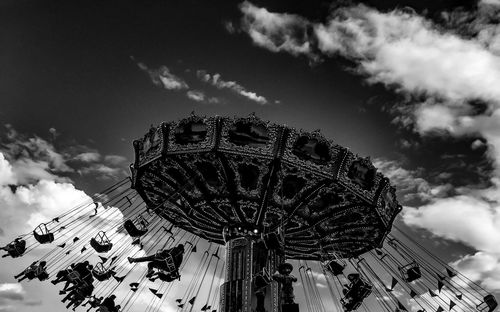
[88, 157]
[6, 172]
[162, 77]
[102, 171]
[274, 31]
[12, 291]
[196, 95]
[462, 218]
[219, 83]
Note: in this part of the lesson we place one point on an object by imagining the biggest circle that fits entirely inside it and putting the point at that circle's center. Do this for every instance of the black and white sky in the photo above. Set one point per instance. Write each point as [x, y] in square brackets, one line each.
[414, 84]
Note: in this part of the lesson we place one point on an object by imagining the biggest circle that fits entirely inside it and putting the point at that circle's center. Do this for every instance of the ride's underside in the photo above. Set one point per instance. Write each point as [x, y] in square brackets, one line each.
[203, 174]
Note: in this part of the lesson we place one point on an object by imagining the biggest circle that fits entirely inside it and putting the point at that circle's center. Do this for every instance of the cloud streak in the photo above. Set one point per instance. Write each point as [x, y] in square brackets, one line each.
[216, 81]
[163, 77]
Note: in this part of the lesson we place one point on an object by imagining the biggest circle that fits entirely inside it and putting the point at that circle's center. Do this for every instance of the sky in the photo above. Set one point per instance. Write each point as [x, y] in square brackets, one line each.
[412, 84]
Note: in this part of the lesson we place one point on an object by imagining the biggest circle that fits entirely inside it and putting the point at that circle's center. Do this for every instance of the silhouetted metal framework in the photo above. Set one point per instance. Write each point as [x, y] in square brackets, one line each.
[263, 176]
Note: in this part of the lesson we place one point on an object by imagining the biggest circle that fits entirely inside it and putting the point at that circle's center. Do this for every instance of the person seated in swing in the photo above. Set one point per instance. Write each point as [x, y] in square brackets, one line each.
[160, 261]
[286, 280]
[62, 276]
[93, 302]
[15, 248]
[77, 295]
[79, 274]
[35, 270]
[355, 292]
[108, 305]
[84, 270]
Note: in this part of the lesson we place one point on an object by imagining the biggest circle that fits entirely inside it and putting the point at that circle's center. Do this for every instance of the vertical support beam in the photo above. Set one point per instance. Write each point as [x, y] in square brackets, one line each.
[246, 257]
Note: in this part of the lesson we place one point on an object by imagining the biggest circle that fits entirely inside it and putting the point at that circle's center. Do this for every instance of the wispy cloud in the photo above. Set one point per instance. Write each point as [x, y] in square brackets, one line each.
[229, 26]
[200, 96]
[163, 77]
[88, 157]
[115, 159]
[216, 81]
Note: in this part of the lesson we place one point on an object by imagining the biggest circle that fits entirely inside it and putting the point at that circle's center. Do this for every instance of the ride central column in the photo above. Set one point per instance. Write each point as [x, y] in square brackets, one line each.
[248, 285]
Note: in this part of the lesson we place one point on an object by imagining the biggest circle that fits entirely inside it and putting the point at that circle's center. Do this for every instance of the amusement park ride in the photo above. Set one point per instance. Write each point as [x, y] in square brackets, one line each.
[273, 197]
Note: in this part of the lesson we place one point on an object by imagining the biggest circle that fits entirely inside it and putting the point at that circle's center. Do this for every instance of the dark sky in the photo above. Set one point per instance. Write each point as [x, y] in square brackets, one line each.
[67, 65]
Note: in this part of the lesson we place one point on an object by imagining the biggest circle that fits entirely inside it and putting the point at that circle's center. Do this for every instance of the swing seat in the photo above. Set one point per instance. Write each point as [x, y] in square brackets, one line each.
[74, 277]
[44, 238]
[335, 267]
[101, 273]
[410, 272]
[43, 276]
[489, 304]
[358, 291]
[168, 261]
[42, 234]
[100, 247]
[101, 276]
[132, 230]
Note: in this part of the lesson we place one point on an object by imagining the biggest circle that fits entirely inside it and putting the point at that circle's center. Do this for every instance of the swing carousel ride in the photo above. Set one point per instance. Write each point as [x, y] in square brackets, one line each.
[237, 205]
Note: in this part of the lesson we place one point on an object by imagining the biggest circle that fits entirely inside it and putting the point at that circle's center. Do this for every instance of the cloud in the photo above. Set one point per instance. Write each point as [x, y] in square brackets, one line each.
[88, 157]
[115, 159]
[33, 204]
[162, 77]
[12, 291]
[31, 159]
[462, 218]
[276, 32]
[102, 171]
[200, 96]
[196, 95]
[216, 81]
[229, 26]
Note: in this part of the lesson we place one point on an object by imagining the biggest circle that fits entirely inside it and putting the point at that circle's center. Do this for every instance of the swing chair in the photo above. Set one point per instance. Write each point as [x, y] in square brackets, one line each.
[357, 290]
[101, 242]
[410, 272]
[489, 304]
[334, 266]
[42, 234]
[169, 263]
[136, 228]
[101, 273]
